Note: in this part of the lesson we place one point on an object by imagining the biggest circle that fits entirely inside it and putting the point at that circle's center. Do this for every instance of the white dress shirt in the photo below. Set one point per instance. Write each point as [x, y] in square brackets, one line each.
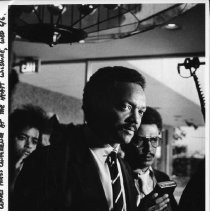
[100, 156]
[144, 182]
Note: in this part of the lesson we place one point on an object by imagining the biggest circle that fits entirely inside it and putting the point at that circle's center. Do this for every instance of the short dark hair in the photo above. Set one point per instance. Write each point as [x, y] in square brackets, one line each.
[152, 116]
[27, 116]
[102, 82]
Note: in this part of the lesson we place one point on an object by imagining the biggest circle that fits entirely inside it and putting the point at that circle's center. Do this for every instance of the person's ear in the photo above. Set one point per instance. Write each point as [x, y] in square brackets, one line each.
[160, 134]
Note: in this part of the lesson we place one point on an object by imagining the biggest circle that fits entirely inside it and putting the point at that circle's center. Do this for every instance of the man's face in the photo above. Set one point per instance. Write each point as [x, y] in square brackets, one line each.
[120, 116]
[146, 149]
[26, 141]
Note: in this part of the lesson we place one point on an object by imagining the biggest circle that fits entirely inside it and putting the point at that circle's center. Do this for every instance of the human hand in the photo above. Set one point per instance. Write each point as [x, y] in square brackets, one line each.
[18, 166]
[155, 202]
[19, 163]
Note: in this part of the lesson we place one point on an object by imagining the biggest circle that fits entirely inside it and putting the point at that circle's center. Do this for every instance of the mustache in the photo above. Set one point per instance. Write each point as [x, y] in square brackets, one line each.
[148, 154]
[132, 127]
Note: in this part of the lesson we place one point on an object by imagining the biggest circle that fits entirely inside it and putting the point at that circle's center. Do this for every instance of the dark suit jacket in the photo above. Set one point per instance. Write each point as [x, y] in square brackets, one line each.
[64, 177]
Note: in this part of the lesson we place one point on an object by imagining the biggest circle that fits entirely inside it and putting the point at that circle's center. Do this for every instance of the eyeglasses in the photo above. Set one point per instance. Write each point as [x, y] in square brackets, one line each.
[139, 141]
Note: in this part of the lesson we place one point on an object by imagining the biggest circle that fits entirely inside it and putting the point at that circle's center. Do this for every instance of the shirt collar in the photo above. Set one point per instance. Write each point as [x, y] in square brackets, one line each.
[103, 152]
[138, 172]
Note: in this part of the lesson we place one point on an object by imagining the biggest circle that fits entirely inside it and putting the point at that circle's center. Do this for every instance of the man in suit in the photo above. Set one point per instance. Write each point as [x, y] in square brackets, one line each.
[73, 172]
[140, 154]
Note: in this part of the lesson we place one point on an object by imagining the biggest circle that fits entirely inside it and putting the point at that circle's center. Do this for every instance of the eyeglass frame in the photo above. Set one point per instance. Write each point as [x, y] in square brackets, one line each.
[140, 145]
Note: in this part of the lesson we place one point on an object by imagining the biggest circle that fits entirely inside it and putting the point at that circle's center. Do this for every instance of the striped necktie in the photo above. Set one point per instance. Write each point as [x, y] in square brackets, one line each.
[118, 203]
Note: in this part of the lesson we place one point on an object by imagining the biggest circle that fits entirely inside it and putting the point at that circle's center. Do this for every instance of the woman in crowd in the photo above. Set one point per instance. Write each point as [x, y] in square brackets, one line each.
[26, 125]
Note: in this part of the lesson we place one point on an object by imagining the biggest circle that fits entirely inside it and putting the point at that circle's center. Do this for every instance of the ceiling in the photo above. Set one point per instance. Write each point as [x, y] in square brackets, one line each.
[157, 43]
[190, 39]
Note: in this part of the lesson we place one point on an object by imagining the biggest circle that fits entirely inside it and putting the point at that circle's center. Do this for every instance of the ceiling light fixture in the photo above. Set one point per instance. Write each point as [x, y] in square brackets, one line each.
[171, 26]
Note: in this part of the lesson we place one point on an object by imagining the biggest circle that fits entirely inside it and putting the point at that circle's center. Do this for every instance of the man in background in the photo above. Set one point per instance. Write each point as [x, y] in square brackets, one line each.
[140, 154]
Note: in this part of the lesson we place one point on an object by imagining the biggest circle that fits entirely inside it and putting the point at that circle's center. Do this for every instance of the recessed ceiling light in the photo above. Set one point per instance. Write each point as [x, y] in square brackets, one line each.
[82, 41]
[171, 26]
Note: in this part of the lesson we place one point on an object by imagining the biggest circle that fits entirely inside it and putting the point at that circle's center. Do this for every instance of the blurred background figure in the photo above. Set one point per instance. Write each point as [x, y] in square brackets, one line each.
[26, 125]
[193, 196]
[140, 154]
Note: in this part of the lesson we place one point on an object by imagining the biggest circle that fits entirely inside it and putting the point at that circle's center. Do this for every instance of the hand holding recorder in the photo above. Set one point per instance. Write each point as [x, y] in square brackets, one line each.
[158, 199]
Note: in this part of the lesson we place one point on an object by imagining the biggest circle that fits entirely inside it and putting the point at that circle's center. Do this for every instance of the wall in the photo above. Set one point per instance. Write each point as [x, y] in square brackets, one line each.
[68, 109]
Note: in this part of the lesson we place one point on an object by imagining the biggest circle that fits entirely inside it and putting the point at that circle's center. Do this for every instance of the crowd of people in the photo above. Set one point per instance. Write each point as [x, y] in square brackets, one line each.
[83, 168]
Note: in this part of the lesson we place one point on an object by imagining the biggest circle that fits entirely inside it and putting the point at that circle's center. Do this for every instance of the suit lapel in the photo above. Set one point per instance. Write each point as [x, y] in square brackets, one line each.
[130, 190]
[88, 176]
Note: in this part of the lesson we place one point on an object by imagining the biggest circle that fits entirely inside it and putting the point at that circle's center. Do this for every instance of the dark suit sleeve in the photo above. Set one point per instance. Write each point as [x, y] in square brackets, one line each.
[29, 185]
[161, 177]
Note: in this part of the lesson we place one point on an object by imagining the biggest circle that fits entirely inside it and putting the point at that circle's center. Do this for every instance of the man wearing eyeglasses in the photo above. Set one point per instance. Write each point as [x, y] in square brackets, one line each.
[140, 154]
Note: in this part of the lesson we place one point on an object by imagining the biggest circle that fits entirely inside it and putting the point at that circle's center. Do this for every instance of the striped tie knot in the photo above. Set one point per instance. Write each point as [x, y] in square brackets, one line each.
[111, 158]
